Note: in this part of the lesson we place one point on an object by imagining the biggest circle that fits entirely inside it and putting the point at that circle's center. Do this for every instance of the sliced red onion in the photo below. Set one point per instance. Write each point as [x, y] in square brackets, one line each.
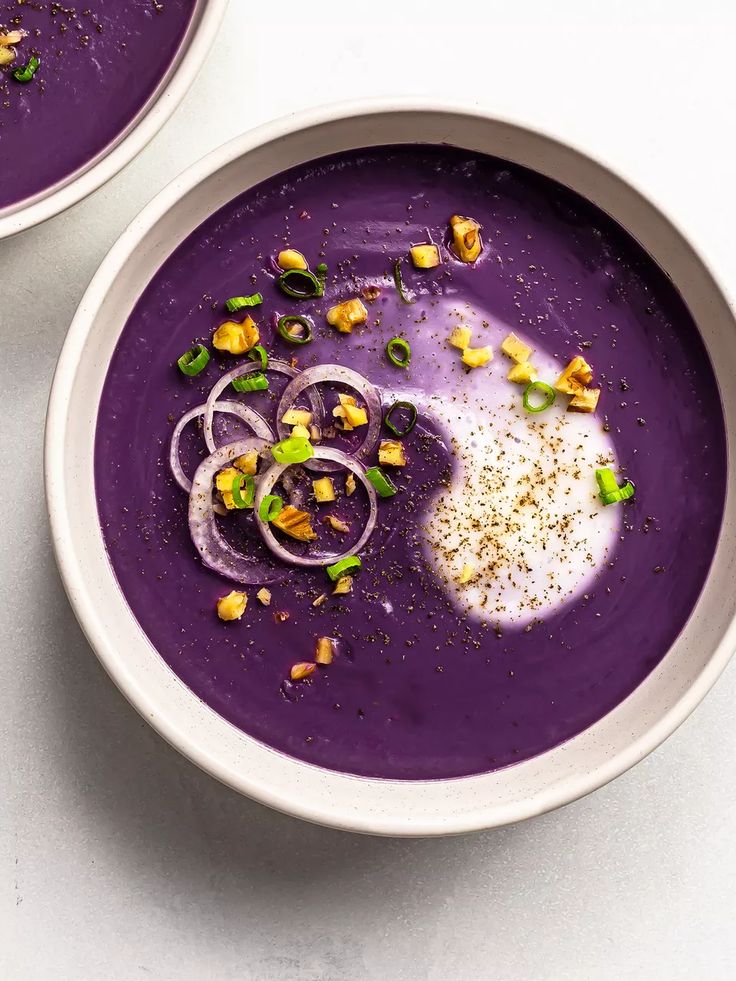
[216, 553]
[247, 415]
[343, 376]
[281, 367]
[269, 480]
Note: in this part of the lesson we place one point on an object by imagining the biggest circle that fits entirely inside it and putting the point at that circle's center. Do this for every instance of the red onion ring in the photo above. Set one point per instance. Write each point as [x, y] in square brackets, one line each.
[344, 376]
[247, 415]
[217, 554]
[281, 367]
[268, 482]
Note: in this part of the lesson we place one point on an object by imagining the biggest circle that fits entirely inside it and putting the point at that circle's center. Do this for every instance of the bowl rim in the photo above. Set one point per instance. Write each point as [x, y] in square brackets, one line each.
[136, 136]
[179, 736]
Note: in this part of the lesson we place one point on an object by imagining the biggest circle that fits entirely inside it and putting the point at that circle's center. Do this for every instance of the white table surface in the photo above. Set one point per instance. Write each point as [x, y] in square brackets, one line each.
[118, 858]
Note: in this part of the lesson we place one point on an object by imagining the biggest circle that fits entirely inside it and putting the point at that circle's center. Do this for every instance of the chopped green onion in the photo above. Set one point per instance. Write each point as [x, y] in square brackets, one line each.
[26, 73]
[399, 352]
[239, 500]
[410, 423]
[194, 360]
[255, 382]
[271, 507]
[236, 303]
[399, 281]
[294, 449]
[381, 481]
[538, 388]
[321, 271]
[349, 565]
[301, 284]
[259, 352]
[610, 492]
[285, 323]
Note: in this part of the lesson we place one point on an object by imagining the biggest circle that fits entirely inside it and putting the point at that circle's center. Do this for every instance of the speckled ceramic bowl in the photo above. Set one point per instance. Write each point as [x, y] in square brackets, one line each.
[602, 752]
[141, 129]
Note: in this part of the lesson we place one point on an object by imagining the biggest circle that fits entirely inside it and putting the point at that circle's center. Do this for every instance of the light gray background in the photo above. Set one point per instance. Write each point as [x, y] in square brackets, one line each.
[118, 859]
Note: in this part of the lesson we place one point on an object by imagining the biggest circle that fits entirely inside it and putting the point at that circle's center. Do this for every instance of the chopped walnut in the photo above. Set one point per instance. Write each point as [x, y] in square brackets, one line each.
[302, 670]
[343, 586]
[337, 524]
[295, 523]
[350, 484]
[325, 652]
[320, 599]
[264, 595]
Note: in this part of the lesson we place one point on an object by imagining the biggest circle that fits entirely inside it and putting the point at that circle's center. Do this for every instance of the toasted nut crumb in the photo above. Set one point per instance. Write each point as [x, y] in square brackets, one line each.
[350, 484]
[460, 337]
[575, 377]
[264, 595]
[522, 373]
[295, 523]
[297, 417]
[302, 670]
[291, 259]
[370, 293]
[232, 606]
[343, 586]
[320, 599]
[325, 653]
[586, 400]
[465, 238]
[476, 357]
[247, 463]
[7, 38]
[514, 348]
[336, 523]
[324, 490]
[391, 453]
[345, 316]
[281, 616]
[425, 256]
[236, 338]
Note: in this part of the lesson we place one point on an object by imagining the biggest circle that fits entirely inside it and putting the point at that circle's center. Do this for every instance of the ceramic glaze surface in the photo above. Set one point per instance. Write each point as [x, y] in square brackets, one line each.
[574, 604]
[100, 62]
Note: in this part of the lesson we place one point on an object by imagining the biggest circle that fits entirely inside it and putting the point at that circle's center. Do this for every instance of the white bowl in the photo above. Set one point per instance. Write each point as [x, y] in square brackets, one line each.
[599, 754]
[135, 137]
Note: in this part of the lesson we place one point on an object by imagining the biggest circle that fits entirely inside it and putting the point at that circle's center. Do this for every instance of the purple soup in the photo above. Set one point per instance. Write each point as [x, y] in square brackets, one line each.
[501, 606]
[99, 62]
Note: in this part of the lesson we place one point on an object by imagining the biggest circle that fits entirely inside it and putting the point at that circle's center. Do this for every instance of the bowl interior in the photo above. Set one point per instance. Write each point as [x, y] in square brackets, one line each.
[418, 807]
[133, 137]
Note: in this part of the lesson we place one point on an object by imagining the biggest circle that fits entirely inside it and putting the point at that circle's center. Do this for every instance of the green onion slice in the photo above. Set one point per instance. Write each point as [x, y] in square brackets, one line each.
[194, 360]
[381, 481]
[285, 323]
[610, 492]
[349, 565]
[294, 449]
[399, 281]
[410, 422]
[399, 352]
[255, 382]
[236, 303]
[301, 284]
[271, 507]
[321, 271]
[538, 388]
[26, 73]
[244, 500]
[259, 352]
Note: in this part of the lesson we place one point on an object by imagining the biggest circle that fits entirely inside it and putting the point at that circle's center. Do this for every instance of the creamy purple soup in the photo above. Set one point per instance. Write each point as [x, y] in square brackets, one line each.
[501, 607]
[99, 63]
